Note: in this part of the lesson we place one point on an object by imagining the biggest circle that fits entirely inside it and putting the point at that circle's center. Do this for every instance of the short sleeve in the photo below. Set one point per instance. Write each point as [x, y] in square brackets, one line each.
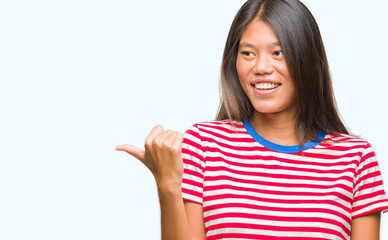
[193, 165]
[368, 192]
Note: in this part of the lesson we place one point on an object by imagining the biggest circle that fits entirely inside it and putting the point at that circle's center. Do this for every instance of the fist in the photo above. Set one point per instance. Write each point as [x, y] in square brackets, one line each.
[162, 155]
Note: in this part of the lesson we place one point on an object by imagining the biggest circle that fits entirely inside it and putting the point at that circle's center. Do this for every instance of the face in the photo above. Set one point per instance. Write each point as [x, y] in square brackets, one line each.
[263, 71]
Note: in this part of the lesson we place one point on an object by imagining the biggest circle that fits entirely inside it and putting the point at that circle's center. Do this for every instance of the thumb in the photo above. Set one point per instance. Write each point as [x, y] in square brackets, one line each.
[134, 151]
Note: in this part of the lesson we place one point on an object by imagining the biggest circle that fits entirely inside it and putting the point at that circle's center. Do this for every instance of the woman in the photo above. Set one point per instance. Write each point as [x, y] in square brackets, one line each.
[278, 163]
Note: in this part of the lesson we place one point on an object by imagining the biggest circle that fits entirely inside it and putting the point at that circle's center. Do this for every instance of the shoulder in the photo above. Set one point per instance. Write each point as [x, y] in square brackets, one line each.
[345, 139]
[220, 124]
[217, 126]
[224, 131]
[349, 144]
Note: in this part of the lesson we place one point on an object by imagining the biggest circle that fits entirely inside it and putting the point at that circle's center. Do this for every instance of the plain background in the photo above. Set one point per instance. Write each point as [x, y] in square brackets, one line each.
[79, 77]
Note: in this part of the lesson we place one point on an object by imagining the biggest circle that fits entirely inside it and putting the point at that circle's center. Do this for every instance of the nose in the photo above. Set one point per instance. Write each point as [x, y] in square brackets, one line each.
[263, 65]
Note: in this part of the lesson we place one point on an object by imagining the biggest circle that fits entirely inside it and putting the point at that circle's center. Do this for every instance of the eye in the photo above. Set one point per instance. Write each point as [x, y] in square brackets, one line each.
[248, 54]
[278, 53]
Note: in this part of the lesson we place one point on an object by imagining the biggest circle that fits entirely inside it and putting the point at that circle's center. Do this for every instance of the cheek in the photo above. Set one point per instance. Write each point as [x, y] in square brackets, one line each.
[283, 70]
[285, 74]
[242, 70]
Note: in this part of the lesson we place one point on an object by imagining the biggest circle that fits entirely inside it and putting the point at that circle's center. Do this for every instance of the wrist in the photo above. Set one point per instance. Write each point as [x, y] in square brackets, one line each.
[169, 187]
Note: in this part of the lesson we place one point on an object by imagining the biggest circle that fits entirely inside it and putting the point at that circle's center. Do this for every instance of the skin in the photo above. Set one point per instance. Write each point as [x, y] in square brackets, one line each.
[162, 156]
[260, 59]
[366, 227]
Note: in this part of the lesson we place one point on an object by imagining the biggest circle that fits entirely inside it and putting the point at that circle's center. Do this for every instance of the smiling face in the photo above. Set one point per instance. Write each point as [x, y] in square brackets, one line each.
[263, 71]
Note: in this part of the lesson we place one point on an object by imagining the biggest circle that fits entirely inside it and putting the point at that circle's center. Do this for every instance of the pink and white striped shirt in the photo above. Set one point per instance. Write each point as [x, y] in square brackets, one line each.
[251, 188]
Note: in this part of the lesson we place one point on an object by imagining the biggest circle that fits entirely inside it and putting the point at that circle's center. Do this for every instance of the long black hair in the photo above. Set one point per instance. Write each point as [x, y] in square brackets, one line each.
[305, 56]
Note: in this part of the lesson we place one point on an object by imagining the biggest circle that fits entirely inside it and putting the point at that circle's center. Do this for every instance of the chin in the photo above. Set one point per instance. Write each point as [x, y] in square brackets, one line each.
[274, 108]
[267, 109]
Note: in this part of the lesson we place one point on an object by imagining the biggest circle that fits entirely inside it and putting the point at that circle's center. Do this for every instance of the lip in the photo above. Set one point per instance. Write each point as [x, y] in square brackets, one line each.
[264, 81]
[265, 92]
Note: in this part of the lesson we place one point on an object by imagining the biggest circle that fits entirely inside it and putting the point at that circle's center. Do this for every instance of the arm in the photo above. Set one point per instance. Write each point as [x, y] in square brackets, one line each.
[194, 212]
[174, 222]
[162, 156]
[178, 223]
[366, 227]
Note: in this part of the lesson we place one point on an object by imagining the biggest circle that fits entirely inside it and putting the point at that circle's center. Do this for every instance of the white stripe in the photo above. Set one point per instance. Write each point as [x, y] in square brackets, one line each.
[193, 178]
[191, 197]
[304, 161]
[366, 181]
[295, 165]
[280, 196]
[277, 180]
[301, 172]
[371, 207]
[277, 223]
[278, 214]
[277, 205]
[370, 200]
[271, 233]
[195, 160]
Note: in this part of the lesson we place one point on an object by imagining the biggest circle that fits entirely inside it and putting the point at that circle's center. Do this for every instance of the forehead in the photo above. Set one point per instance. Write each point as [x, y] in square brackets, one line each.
[259, 32]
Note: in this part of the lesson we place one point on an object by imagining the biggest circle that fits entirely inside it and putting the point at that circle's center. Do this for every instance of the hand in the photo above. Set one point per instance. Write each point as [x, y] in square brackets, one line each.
[162, 156]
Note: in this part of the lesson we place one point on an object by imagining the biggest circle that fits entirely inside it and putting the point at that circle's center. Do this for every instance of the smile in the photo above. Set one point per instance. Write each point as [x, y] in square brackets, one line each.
[266, 86]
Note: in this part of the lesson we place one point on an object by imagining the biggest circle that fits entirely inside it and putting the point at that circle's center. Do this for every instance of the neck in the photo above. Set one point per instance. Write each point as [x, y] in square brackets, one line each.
[279, 128]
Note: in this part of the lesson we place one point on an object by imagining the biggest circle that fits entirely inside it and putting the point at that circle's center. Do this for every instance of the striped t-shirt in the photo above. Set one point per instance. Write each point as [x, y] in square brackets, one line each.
[251, 188]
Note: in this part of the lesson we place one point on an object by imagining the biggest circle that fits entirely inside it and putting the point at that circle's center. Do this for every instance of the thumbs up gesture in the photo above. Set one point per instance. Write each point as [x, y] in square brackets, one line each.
[161, 155]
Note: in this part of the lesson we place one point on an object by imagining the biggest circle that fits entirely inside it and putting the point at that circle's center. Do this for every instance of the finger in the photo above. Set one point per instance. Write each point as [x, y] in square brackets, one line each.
[158, 129]
[174, 139]
[166, 137]
[164, 140]
[178, 138]
[177, 141]
[134, 151]
[170, 140]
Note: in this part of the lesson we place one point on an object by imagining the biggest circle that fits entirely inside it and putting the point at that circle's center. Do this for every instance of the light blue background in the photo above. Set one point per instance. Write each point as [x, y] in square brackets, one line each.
[79, 77]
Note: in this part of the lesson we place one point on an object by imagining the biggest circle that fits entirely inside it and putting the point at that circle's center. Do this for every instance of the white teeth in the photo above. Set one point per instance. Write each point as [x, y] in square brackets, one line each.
[264, 86]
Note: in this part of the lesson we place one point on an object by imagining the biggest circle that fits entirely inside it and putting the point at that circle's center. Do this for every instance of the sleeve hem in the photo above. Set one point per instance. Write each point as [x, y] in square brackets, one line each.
[383, 209]
[191, 200]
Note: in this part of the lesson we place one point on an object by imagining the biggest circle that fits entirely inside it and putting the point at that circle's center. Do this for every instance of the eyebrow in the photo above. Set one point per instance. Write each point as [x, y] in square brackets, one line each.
[245, 44]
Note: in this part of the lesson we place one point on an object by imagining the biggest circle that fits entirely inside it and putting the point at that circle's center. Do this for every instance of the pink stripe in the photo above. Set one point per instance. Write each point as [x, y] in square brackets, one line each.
[192, 183]
[226, 130]
[275, 228]
[370, 196]
[192, 163]
[191, 144]
[192, 173]
[283, 160]
[275, 184]
[367, 176]
[292, 175]
[237, 138]
[294, 167]
[191, 192]
[273, 192]
[279, 219]
[369, 186]
[377, 209]
[336, 151]
[276, 209]
[261, 237]
[280, 201]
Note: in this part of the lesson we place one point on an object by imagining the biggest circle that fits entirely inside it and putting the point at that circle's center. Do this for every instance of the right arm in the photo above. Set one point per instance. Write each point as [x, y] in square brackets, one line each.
[162, 156]
[194, 213]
